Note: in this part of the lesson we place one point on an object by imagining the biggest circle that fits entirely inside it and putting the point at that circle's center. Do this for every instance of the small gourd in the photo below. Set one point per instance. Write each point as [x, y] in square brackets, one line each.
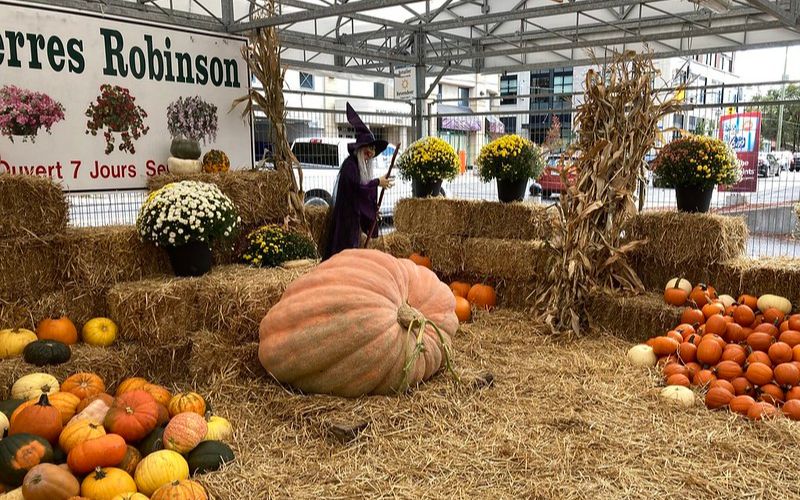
[13, 341]
[642, 356]
[216, 161]
[46, 352]
[678, 395]
[768, 301]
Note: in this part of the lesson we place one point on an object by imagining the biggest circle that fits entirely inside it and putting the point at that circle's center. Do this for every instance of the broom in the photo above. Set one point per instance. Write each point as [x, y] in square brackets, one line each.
[380, 198]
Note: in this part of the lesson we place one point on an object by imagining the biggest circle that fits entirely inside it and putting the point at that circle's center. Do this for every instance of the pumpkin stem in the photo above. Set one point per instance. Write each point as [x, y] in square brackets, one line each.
[43, 400]
[419, 347]
[407, 316]
[99, 473]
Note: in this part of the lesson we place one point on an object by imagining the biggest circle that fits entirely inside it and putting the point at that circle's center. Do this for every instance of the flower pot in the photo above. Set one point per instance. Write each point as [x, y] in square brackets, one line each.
[185, 149]
[425, 189]
[509, 191]
[191, 259]
[693, 199]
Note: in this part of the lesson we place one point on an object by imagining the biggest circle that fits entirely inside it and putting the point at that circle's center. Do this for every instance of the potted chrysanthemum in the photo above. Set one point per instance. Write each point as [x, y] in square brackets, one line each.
[427, 162]
[184, 218]
[693, 166]
[272, 245]
[23, 112]
[512, 160]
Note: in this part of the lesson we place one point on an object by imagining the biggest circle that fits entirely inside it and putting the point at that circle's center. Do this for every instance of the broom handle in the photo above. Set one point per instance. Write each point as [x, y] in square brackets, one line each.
[380, 198]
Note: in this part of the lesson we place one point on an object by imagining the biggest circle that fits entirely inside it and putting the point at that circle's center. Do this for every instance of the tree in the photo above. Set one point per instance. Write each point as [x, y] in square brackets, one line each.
[791, 116]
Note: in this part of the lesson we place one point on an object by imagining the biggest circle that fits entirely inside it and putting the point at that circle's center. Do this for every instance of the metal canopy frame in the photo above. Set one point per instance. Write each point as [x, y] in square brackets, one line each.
[373, 37]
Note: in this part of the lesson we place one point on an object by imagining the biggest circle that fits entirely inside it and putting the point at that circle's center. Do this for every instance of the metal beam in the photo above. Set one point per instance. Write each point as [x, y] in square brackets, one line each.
[786, 17]
[319, 13]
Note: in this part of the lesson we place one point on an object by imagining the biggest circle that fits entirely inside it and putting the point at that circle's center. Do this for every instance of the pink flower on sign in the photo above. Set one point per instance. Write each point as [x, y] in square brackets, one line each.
[192, 118]
[23, 112]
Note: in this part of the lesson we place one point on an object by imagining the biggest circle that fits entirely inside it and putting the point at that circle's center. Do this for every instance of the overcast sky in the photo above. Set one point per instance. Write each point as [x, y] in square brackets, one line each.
[767, 64]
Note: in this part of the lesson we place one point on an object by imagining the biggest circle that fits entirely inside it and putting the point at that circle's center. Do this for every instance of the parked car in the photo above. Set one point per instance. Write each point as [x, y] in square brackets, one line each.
[768, 165]
[784, 159]
[550, 181]
[795, 162]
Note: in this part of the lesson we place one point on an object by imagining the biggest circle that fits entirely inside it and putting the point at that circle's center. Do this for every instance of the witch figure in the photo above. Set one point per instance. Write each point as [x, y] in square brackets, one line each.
[355, 196]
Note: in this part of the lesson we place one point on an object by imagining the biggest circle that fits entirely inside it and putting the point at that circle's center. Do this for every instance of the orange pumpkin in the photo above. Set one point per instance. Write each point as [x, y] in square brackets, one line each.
[773, 316]
[793, 322]
[163, 416]
[742, 386]
[703, 378]
[759, 374]
[104, 451]
[79, 431]
[741, 404]
[768, 328]
[735, 333]
[724, 384]
[780, 352]
[761, 411]
[772, 394]
[184, 432]
[744, 315]
[792, 409]
[482, 296]
[675, 368]
[749, 301]
[759, 357]
[709, 352]
[796, 353]
[702, 294]
[131, 384]
[735, 353]
[678, 379]
[675, 296]
[84, 385]
[675, 335]
[728, 370]
[187, 402]
[717, 397]
[132, 415]
[185, 489]
[463, 309]
[687, 352]
[793, 393]
[366, 345]
[49, 482]
[421, 259]
[61, 329]
[760, 341]
[693, 316]
[791, 337]
[40, 419]
[64, 402]
[713, 309]
[160, 393]
[693, 368]
[685, 329]
[663, 346]
[786, 375]
[460, 289]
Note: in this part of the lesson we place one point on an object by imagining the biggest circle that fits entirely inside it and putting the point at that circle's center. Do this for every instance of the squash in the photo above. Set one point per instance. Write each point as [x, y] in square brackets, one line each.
[185, 149]
[131, 384]
[421, 259]
[79, 431]
[61, 329]
[130, 496]
[460, 289]
[769, 301]
[675, 296]
[104, 451]
[786, 375]
[187, 401]
[760, 341]
[780, 352]
[678, 379]
[709, 352]
[179, 166]
[130, 460]
[163, 416]
[219, 429]
[743, 387]
[680, 284]
[3, 425]
[728, 370]
[727, 300]
[759, 374]
[19, 454]
[40, 419]
[678, 395]
[687, 352]
[741, 404]
[463, 309]
[49, 482]
[181, 490]
[761, 411]
[153, 442]
[743, 315]
[99, 332]
[104, 396]
[184, 432]
[693, 316]
[14, 340]
[642, 355]
[64, 402]
[132, 415]
[84, 384]
[160, 393]
[482, 296]
[216, 161]
[46, 352]
[723, 384]
[792, 409]
[209, 456]
[106, 483]
[95, 411]
[717, 398]
[34, 385]
[8, 406]
[772, 394]
[160, 468]
[301, 344]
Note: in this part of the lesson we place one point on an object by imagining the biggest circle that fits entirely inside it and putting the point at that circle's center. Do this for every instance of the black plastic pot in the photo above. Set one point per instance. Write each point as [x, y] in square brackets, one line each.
[511, 191]
[693, 199]
[191, 259]
[425, 189]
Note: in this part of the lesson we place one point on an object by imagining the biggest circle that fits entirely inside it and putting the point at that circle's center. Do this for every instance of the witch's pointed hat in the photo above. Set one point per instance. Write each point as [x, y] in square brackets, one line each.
[364, 136]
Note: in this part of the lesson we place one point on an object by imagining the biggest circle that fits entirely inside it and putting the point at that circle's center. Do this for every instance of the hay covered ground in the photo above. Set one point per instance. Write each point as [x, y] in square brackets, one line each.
[563, 420]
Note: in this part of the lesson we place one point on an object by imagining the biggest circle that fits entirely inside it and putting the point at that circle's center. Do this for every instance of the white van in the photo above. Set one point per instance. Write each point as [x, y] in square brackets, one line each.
[321, 157]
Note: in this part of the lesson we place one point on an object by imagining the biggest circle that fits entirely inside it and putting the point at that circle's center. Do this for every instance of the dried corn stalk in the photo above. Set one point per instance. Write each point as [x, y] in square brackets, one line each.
[263, 58]
[617, 124]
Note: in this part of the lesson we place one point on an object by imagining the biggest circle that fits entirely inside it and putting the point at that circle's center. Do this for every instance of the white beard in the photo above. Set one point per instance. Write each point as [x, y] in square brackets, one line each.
[365, 168]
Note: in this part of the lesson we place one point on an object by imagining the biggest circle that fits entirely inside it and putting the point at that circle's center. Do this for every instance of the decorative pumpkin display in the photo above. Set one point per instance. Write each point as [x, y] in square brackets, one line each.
[759, 373]
[49, 482]
[216, 161]
[64, 402]
[3, 425]
[482, 296]
[460, 289]
[702, 294]
[717, 398]
[84, 384]
[179, 166]
[106, 483]
[709, 352]
[103, 396]
[61, 329]
[769, 301]
[642, 355]
[13, 341]
[79, 431]
[153, 442]
[131, 384]
[792, 409]
[19, 454]
[130, 496]
[421, 259]
[99, 331]
[181, 490]
[209, 456]
[680, 284]
[726, 300]
[786, 375]
[40, 419]
[400, 310]
[187, 401]
[693, 316]
[160, 468]
[104, 451]
[160, 393]
[132, 415]
[46, 352]
[130, 460]
[95, 411]
[184, 432]
[34, 385]
[675, 296]
[728, 370]
[678, 395]
[219, 429]
[463, 309]
[761, 411]
[741, 404]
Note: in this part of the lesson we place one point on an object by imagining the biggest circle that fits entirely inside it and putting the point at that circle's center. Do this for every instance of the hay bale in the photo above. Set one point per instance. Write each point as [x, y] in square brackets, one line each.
[259, 196]
[164, 364]
[446, 252]
[780, 276]
[479, 219]
[317, 220]
[395, 243]
[78, 305]
[99, 257]
[634, 318]
[31, 206]
[512, 294]
[507, 259]
[30, 266]
[213, 354]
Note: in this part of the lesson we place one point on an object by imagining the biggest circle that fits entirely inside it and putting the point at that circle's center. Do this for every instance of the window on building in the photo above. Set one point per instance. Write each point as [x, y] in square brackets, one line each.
[463, 97]
[380, 90]
[509, 123]
[540, 88]
[508, 87]
[306, 81]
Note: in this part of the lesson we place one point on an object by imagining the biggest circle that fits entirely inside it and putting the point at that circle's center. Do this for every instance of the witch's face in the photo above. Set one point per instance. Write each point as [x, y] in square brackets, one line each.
[369, 152]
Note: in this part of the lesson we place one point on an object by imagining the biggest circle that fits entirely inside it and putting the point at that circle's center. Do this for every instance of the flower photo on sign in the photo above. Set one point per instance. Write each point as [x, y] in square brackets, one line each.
[23, 112]
[115, 111]
[192, 118]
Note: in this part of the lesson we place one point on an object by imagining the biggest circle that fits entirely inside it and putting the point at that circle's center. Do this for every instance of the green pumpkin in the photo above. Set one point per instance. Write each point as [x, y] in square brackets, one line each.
[152, 442]
[46, 352]
[209, 456]
[20, 453]
[185, 149]
[59, 457]
[9, 405]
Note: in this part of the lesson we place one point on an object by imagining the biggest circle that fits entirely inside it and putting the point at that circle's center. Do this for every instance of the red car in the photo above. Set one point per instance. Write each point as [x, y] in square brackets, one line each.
[551, 178]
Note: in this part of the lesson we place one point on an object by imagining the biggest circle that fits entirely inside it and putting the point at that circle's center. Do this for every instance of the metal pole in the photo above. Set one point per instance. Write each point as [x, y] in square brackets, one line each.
[420, 73]
[779, 138]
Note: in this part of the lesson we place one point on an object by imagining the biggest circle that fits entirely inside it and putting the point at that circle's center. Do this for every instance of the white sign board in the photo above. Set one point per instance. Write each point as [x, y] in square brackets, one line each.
[405, 83]
[68, 56]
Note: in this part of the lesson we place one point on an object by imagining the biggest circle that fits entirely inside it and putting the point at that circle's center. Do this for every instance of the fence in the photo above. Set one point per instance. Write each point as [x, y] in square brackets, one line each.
[321, 117]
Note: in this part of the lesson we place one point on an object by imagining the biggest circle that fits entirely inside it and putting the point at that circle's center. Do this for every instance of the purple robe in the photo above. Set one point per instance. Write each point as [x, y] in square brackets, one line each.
[354, 209]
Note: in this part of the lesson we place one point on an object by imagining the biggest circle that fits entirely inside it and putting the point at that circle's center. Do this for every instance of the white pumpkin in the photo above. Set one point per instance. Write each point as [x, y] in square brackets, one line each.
[727, 300]
[3, 425]
[681, 283]
[34, 385]
[678, 395]
[12, 495]
[780, 303]
[181, 167]
[219, 429]
[642, 355]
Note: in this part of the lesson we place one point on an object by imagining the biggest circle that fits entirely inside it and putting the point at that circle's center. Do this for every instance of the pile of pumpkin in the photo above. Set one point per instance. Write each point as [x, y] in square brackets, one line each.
[743, 354]
[144, 442]
[50, 344]
[467, 295]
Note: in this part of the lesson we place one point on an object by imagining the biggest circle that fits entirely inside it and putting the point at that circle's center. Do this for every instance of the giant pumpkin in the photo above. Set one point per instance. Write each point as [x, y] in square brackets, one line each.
[360, 323]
